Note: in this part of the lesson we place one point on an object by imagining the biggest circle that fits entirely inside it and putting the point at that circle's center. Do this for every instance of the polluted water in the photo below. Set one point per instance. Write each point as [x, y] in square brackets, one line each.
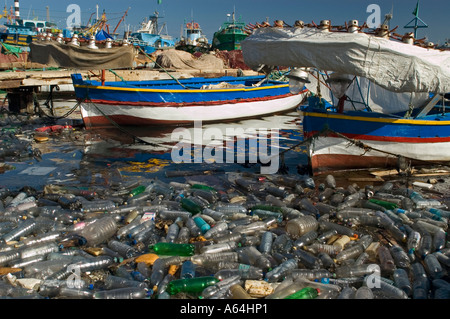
[209, 231]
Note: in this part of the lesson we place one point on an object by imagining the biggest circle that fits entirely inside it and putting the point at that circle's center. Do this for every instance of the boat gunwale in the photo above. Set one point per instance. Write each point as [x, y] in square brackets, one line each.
[383, 118]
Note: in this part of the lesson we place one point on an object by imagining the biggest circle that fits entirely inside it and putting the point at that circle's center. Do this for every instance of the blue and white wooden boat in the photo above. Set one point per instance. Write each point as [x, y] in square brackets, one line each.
[184, 101]
[385, 96]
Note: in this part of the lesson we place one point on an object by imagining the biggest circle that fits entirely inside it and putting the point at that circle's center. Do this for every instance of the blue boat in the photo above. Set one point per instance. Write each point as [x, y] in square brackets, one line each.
[184, 101]
[149, 37]
[386, 96]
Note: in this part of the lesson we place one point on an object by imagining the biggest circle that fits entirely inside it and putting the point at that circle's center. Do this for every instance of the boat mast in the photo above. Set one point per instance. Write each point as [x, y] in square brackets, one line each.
[416, 21]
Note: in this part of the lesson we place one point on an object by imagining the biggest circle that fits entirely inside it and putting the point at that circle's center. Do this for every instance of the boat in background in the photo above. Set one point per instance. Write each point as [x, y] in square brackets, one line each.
[184, 101]
[149, 37]
[193, 40]
[230, 35]
[384, 93]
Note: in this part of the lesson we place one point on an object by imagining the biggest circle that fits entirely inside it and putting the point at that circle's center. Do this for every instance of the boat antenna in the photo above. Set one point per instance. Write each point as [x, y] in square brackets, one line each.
[416, 21]
[388, 17]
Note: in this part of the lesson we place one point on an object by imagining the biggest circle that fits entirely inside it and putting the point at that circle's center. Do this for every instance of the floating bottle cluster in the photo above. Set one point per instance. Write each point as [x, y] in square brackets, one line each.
[277, 237]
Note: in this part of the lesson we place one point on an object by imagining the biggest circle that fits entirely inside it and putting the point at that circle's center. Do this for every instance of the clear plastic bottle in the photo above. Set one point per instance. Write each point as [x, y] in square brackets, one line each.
[75, 293]
[218, 216]
[306, 239]
[38, 249]
[387, 262]
[300, 226]
[218, 248]
[125, 250]
[249, 273]
[9, 256]
[390, 291]
[281, 270]
[221, 288]
[172, 233]
[310, 274]
[347, 293]
[25, 228]
[400, 256]
[183, 236]
[254, 227]
[262, 214]
[309, 260]
[115, 282]
[363, 293]
[122, 293]
[99, 231]
[401, 281]
[98, 206]
[219, 229]
[350, 271]
[252, 256]
[433, 266]
[173, 214]
[208, 258]
[139, 228]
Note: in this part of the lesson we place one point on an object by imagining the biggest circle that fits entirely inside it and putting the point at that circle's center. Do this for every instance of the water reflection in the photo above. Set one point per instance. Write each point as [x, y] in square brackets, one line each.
[141, 144]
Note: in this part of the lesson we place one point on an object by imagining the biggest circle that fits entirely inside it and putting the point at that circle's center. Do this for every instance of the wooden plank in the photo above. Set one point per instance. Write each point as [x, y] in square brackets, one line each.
[10, 84]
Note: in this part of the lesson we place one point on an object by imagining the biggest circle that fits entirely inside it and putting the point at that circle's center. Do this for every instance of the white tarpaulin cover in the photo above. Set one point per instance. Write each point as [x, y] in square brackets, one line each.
[393, 65]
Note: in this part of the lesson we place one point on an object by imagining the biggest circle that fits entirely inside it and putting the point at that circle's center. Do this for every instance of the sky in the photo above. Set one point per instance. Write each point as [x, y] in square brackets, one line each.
[210, 14]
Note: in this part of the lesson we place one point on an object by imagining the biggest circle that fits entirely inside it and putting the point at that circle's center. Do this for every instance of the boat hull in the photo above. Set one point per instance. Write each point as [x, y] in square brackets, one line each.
[362, 140]
[164, 105]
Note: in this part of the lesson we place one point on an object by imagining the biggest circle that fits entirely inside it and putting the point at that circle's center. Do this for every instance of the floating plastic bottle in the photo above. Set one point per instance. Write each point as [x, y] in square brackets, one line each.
[191, 206]
[281, 270]
[400, 256]
[201, 224]
[99, 231]
[122, 293]
[401, 280]
[305, 293]
[208, 258]
[363, 293]
[116, 282]
[173, 249]
[299, 226]
[193, 285]
[123, 249]
[433, 266]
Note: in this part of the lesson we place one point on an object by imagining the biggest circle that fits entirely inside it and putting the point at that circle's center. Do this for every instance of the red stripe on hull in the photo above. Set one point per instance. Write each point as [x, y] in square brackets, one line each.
[393, 139]
[101, 121]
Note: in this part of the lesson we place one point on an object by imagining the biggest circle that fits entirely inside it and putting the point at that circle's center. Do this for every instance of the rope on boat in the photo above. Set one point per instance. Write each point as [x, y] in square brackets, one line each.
[50, 101]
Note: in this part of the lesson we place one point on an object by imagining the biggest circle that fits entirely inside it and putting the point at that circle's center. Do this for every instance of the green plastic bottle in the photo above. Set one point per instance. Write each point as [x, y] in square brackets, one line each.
[305, 293]
[385, 204]
[190, 206]
[191, 285]
[136, 191]
[204, 187]
[173, 249]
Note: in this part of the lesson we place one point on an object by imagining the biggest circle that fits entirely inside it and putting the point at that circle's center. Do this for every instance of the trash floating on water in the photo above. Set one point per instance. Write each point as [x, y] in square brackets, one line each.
[251, 236]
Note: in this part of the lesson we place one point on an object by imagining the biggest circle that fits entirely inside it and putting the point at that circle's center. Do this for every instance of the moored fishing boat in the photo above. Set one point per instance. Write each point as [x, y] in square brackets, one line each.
[184, 101]
[230, 35]
[385, 104]
[193, 40]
